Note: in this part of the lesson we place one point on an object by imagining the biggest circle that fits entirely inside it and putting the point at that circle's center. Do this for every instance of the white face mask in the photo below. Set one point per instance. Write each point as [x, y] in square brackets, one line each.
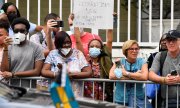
[65, 51]
[19, 37]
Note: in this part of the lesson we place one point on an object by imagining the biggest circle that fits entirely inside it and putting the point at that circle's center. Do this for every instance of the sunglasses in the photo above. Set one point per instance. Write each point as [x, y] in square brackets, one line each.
[20, 30]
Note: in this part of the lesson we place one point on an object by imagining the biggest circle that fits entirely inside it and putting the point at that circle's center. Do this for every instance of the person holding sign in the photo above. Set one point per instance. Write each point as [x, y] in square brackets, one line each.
[81, 41]
[101, 63]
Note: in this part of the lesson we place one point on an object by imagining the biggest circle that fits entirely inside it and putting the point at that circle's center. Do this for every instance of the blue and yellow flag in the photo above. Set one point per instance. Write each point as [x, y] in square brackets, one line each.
[61, 91]
[63, 97]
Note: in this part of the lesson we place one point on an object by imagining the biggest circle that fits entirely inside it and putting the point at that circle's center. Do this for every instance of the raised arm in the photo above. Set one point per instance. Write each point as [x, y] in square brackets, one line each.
[5, 61]
[79, 44]
[109, 36]
[49, 41]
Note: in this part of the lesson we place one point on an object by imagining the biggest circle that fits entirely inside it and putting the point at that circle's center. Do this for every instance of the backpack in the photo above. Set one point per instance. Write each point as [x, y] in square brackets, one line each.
[151, 88]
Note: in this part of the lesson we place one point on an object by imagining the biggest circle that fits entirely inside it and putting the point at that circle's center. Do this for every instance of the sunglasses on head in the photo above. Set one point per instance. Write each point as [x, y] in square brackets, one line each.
[20, 30]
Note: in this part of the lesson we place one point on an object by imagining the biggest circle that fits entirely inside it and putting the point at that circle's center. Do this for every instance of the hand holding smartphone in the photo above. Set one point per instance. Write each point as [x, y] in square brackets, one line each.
[60, 23]
[118, 64]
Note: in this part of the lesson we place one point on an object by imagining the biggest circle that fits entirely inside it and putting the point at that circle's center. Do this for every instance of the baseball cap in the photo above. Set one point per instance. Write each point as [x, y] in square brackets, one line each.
[173, 34]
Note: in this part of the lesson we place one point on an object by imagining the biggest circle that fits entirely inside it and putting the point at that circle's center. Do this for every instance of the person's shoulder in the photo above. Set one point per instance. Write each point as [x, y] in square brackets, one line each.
[140, 60]
[32, 24]
[32, 44]
[54, 51]
[77, 51]
[72, 37]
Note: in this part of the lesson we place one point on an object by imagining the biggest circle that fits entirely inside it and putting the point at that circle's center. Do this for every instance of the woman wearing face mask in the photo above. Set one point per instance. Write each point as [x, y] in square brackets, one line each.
[100, 62]
[77, 66]
[81, 38]
[12, 13]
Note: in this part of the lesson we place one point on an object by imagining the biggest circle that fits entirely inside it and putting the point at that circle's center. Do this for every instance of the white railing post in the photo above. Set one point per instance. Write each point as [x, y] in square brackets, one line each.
[118, 20]
[139, 21]
[150, 20]
[50, 6]
[39, 12]
[161, 17]
[129, 19]
[172, 14]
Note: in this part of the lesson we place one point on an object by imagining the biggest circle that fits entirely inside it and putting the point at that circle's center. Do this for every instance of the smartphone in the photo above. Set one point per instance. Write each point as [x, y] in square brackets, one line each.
[118, 64]
[60, 23]
[174, 73]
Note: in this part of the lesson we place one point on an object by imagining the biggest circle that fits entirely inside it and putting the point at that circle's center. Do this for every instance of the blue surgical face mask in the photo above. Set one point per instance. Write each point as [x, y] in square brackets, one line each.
[94, 52]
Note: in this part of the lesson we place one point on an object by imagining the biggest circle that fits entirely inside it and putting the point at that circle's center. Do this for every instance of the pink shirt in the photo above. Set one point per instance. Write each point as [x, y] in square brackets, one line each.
[85, 40]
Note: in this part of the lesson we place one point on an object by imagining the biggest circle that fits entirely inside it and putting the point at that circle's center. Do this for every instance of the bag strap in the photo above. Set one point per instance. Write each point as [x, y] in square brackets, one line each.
[162, 59]
[41, 39]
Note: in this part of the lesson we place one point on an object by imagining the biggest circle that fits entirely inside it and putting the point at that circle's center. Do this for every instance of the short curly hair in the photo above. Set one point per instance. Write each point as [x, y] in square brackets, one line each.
[127, 45]
[20, 20]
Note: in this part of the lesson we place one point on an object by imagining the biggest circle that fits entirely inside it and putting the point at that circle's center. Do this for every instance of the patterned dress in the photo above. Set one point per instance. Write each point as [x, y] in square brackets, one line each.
[98, 86]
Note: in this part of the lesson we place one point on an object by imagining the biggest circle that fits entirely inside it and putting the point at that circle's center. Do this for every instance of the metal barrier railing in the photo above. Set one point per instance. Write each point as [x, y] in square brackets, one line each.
[113, 81]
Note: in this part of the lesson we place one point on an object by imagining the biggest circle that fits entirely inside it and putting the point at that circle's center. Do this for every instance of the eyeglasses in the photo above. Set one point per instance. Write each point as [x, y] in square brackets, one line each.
[132, 49]
[20, 30]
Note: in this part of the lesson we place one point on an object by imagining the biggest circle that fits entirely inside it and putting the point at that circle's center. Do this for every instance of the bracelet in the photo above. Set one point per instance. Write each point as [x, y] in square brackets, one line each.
[164, 80]
[12, 74]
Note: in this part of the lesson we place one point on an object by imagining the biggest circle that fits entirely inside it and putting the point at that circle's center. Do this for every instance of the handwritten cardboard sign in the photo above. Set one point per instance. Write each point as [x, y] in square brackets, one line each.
[96, 14]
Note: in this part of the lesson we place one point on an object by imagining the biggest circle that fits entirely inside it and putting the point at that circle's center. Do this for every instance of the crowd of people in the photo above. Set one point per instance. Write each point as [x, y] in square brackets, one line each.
[86, 57]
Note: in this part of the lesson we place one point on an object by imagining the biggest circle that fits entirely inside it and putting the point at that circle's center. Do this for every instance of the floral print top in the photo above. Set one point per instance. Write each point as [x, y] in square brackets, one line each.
[98, 86]
[75, 63]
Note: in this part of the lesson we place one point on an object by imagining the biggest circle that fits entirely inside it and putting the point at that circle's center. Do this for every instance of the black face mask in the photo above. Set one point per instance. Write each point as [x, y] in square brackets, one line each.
[11, 17]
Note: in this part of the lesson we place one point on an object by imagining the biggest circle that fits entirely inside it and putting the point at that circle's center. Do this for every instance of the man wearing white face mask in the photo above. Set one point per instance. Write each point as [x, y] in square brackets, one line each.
[84, 37]
[25, 57]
